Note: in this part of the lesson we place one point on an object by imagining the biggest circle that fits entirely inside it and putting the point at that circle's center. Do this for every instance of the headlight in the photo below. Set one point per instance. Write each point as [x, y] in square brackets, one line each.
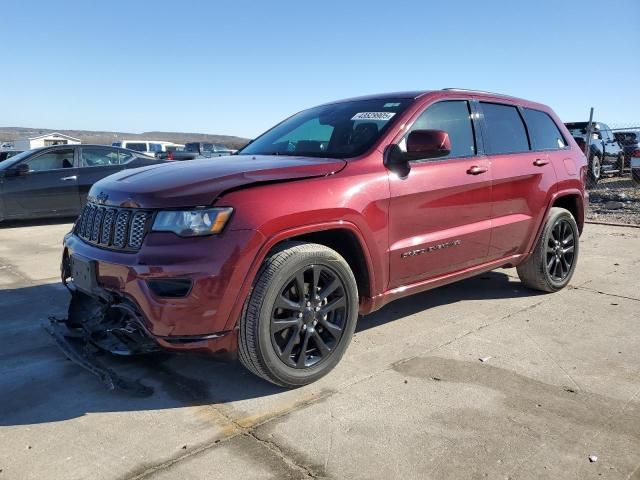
[192, 223]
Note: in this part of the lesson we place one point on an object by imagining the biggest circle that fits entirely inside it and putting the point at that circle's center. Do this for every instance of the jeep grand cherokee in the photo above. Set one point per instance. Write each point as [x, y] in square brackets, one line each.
[334, 212]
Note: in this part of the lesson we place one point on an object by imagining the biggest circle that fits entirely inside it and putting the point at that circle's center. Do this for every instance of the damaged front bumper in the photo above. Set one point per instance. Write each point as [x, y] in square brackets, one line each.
[78, 350]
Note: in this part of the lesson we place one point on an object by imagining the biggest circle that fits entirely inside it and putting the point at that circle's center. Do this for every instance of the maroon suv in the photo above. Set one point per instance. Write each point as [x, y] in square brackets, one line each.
[334, 212]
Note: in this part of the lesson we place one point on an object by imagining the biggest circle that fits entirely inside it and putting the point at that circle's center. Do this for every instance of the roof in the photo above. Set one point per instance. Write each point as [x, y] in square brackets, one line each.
[414, 94]
[55, 135]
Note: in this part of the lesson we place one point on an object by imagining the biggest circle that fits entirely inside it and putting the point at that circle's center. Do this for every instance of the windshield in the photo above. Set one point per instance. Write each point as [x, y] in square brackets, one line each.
[339, 130]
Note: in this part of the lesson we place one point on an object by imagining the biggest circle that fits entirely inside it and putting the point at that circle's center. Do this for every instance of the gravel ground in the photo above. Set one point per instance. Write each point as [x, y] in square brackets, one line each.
[615, 200]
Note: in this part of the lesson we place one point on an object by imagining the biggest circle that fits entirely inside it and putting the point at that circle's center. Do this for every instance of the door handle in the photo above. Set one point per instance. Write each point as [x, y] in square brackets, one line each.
[72, 177]
[477, 170]
[539, 162]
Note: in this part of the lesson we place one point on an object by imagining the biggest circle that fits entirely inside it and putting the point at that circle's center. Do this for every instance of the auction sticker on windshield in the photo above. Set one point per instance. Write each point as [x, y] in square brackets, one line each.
[384, 116]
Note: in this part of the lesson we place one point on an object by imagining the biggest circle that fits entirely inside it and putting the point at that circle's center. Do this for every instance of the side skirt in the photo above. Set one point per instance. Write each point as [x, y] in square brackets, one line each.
[369, 305]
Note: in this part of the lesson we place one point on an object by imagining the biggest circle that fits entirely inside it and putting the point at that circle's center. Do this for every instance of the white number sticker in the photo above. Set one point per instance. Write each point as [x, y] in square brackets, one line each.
[384, 116]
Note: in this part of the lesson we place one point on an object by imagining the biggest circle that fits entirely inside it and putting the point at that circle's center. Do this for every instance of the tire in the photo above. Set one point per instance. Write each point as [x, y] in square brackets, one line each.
[278, 320]
[595, 170]
[553, 261]
[621, 165]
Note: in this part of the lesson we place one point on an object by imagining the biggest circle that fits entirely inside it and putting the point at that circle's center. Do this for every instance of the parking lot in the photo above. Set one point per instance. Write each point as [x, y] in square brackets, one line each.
[559, 381]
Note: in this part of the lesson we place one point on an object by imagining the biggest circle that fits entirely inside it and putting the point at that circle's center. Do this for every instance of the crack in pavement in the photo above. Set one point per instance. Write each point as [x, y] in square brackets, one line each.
[276, 449]
[554, 361]
[592, 290]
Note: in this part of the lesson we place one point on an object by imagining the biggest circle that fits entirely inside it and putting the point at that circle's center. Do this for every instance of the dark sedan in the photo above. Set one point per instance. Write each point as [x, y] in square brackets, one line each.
[54, 181]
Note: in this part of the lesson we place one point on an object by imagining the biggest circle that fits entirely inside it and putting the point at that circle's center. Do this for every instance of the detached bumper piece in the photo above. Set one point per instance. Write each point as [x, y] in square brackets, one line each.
[94, 326]
[76, 349]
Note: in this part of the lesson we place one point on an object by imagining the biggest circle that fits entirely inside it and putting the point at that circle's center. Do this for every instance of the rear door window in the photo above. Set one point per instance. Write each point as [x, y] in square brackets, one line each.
[544, 133]
[124, 156]
[99, 157]
[505, 129]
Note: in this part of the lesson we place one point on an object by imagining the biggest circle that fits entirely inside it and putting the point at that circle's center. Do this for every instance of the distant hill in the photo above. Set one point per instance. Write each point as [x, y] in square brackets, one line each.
[8, 134]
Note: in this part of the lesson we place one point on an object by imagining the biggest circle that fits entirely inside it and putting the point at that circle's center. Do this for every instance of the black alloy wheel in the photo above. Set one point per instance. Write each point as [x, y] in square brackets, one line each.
[560, 250]
[309, 316]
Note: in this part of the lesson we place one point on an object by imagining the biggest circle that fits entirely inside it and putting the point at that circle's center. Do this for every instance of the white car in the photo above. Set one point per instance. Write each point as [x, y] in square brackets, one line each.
[149, 147]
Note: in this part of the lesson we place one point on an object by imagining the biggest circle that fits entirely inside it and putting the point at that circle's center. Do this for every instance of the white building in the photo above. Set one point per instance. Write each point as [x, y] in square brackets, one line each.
[44, 141]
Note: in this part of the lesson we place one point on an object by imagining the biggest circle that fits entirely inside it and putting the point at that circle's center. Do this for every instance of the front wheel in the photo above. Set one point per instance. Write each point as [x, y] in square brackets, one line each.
[300, 315]
[553, 261]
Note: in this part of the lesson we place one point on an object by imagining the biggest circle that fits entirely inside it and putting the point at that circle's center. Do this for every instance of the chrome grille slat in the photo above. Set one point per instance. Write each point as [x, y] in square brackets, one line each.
[113, 228]
[89, 226]
[107, 224]
[120, 234]
[97, 223]
[136, 232]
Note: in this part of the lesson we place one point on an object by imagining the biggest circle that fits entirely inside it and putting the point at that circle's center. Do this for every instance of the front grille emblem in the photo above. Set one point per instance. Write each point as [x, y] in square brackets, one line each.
[102, 198]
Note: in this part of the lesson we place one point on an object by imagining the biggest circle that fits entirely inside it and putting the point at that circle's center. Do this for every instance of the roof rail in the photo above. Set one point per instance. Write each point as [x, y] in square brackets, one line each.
[476, 91]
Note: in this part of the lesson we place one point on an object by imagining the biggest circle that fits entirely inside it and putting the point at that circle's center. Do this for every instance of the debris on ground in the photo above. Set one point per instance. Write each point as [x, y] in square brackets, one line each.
[485, 359]
[593, 458]
[614, 200]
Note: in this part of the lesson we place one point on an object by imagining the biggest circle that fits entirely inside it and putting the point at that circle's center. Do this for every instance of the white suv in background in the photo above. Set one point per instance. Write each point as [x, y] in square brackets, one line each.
[150, 147]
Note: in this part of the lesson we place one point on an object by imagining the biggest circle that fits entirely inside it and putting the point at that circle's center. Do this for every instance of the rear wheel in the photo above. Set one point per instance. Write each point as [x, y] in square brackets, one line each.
[621, 165]
[300, 315]
[554, 258]
[595, 170]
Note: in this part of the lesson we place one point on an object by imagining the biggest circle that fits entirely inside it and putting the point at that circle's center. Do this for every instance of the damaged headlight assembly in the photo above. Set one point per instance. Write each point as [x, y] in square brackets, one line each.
[193, 222]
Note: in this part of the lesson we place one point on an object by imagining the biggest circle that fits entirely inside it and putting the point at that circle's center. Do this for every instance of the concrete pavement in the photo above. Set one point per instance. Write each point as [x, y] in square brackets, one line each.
[410, 399]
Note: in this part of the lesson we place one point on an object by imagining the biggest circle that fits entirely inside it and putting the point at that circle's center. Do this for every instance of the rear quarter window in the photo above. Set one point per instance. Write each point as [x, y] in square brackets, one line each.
[505, 129]
[543, 131]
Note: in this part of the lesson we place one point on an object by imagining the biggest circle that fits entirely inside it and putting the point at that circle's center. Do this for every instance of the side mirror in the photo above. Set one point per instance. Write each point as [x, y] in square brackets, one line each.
[423, 144]
[18, 171]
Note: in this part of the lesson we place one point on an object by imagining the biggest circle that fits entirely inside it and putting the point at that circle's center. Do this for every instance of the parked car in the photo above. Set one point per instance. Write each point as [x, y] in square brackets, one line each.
[6, 154]
[148, 147]
[605, 156]
[54, 181]
[630, 142]
[207, 149]
[178, 155]
[335, 212]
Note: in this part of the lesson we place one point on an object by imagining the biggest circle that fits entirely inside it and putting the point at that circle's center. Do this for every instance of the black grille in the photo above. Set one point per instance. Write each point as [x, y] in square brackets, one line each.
[115, 228]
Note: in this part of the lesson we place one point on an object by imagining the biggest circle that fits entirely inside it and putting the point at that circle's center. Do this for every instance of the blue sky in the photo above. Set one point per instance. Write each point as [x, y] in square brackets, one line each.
[238, 67]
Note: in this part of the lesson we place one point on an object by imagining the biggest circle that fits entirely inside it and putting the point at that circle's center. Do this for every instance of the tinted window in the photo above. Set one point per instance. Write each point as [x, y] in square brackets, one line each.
[454, 117]
[125, 156]
[543, 131]
[155, 147]
[506, 131]
[340, 130]
[138, 147]
[55, 160]
[99, 157]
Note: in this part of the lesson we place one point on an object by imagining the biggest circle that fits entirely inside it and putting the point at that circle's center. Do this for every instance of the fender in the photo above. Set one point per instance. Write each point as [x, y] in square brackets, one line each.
[294, 232]
[552, 199]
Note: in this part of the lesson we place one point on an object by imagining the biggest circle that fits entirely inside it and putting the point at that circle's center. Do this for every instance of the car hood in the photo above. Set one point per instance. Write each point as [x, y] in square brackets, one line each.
[200, 182]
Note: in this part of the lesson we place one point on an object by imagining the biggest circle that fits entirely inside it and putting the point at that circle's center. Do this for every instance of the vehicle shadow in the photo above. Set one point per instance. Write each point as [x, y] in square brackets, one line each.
[39, 385]
[36, 222]
[491, 285]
